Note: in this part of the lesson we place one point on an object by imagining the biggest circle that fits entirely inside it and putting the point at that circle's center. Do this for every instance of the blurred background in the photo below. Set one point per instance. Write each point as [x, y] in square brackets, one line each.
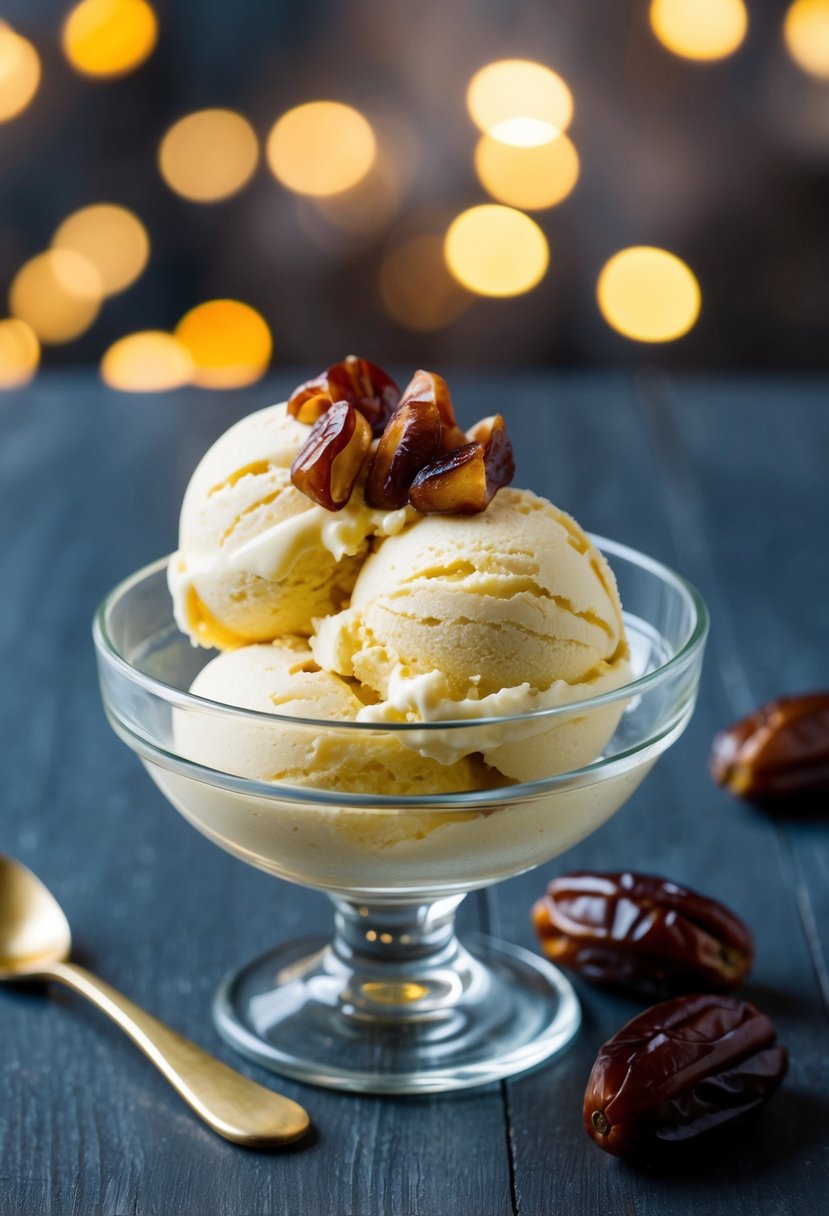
[192, 191]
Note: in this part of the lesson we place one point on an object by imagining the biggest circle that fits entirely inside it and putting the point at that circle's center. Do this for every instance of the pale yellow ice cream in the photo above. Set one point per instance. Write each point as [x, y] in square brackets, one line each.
[353, 848]
[428, 618]
[256, 558]
[283, 678]
[502, 613]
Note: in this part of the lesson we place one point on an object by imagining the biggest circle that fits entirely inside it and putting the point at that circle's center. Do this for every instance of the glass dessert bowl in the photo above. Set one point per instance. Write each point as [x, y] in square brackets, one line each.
[394, 1002]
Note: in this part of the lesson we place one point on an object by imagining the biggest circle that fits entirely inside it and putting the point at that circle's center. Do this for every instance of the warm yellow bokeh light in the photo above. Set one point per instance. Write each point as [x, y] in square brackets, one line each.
[229, 342]
[321, 148]
[57, 293]
[109, 37]
[699, 29]
[532, 176]
[19, 353]
[524, 132]
[209, 155]
[111, 238]
[648, 294]
[519, 102]
[147, 362]
[19, 72]
[496, 251]
[806, 30]
[416, 287]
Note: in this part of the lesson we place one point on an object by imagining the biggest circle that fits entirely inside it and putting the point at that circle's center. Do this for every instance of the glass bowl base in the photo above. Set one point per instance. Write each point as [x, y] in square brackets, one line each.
[483, 1011]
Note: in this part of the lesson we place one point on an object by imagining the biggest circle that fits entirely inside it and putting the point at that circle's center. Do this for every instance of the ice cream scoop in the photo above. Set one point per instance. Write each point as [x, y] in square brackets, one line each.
[506, 612]
[257, 559]
[283, 678]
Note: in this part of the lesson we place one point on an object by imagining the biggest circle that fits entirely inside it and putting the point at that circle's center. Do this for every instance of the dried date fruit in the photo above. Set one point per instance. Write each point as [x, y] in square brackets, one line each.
[423, 455]
[642, 933]
[310, 400]
[500, 462]
[410, 440]
[429, 386]
[362, 384]
[465, 480]
[328, 464]
[678, 1070]
[781, 750]
[367, 387]
[454, 484]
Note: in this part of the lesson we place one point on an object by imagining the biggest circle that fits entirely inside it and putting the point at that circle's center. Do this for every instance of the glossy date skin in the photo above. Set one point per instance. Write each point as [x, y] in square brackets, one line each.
[410, 440]
[465, 480]
[779, 751]
[362, 384]
[326, 467]
[642, 933]
[679, 1070]
[421, 455]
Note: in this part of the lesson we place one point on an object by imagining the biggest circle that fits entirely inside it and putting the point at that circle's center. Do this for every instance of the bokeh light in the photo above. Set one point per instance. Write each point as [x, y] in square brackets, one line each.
[111, 238]
[519, 102]
[229, 342]
[58, 293]
[321, 148]
[496, 251]
[109, 37]
[648, 294]
[416, 287]
[532, 176]
[699, 29]
[806, 31]
[524, 132]
[209, 155]
[19, 353]
[19, 72]
[147, 362]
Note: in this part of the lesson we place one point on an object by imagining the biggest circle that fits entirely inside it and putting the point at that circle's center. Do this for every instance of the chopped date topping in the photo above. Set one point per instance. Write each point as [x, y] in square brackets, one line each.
[465, 480]
[310, 400]
[422, 455]
[409, 442]
[362, 384]
[454, 483]
[429, 386]
[328, 464]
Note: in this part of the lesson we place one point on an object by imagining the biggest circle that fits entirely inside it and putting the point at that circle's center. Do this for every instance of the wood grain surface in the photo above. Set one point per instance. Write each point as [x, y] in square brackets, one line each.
[725, 480]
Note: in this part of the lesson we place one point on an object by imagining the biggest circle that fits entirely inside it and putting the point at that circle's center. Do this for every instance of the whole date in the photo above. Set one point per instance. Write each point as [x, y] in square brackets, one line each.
[780, 751]
[678, 1070]
[642, 933]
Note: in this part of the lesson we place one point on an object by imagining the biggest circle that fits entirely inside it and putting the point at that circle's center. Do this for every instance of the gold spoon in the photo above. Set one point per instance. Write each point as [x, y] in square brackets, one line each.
[35, 943]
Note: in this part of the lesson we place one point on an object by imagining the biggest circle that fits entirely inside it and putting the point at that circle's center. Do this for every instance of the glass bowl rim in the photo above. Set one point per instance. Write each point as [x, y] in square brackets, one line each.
[683, 657]
[457, 800]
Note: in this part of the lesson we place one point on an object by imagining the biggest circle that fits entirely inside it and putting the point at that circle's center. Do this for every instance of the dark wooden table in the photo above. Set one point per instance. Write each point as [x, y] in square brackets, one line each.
[724, 479]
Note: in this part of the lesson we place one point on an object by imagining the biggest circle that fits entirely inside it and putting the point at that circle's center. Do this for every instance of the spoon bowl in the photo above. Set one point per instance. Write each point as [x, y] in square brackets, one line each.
[33, 929]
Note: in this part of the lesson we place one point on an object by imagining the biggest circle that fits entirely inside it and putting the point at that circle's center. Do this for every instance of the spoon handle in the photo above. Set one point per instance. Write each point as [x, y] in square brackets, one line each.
[235, 1107]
